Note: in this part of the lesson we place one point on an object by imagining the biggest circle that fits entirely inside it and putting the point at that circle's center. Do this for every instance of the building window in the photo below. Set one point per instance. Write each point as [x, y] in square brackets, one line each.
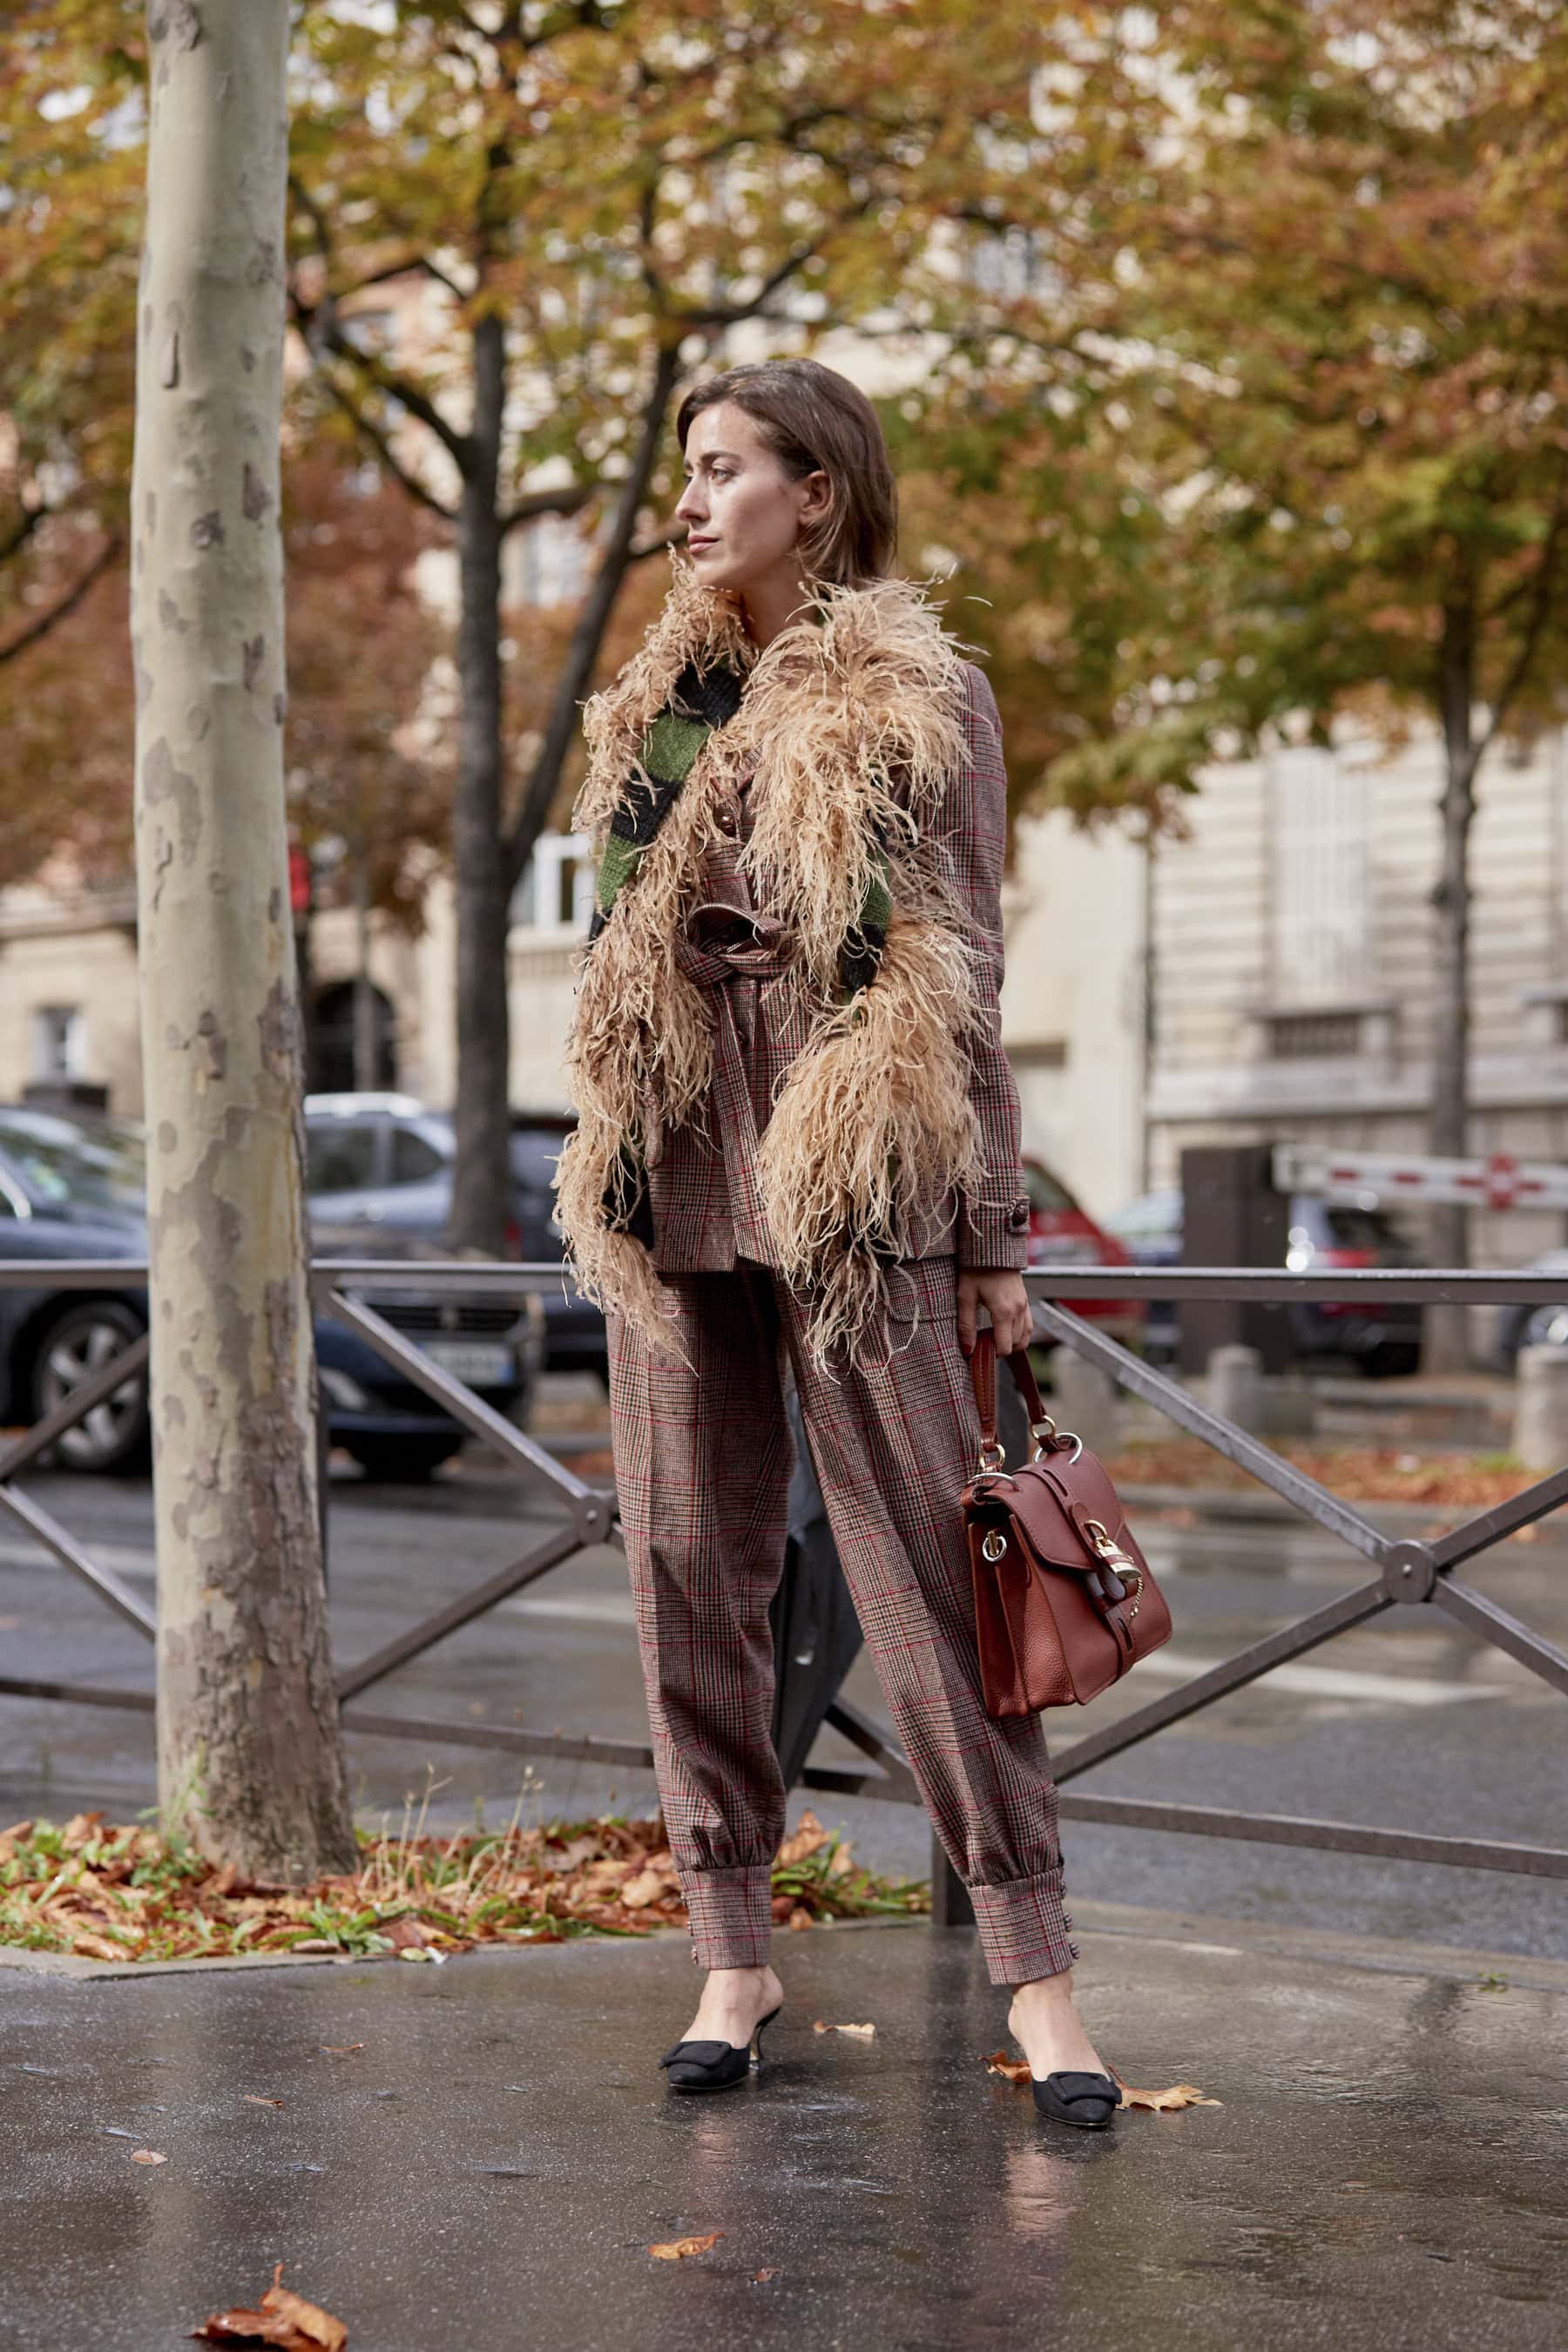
[1321, 933]
[59, 1041]
[556, 892]
[1314, 1037]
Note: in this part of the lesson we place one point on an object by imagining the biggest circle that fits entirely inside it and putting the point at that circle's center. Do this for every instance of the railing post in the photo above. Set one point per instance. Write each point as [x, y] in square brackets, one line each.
[950, 1903]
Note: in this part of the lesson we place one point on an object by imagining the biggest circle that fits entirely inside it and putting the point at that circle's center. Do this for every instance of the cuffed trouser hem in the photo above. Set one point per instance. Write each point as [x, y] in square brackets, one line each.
[731, 1914]
[1025, 1931]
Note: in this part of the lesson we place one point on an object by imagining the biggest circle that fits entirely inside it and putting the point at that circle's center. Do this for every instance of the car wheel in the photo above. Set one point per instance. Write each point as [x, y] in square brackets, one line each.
[116, 1435]
[401, 1461]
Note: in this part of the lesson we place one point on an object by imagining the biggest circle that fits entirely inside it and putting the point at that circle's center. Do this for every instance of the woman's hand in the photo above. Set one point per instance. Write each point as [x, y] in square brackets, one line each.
[1002, 1293]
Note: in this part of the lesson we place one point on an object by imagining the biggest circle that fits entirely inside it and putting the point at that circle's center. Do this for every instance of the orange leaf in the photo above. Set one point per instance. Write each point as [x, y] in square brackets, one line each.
[866, 2031]
[312, 2324]
[1178, 2094]
[759, 2278]
[1015, 2070]
[808, 1836]
[799, 1917]
[676, 2250]
[147, 2155]
[255, 2099]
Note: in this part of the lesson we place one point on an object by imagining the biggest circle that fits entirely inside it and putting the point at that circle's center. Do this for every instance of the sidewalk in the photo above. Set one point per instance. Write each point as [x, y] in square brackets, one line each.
[1387, 2168]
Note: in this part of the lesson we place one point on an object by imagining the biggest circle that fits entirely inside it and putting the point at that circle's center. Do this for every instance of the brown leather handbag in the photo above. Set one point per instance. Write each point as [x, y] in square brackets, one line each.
[1064, 1603]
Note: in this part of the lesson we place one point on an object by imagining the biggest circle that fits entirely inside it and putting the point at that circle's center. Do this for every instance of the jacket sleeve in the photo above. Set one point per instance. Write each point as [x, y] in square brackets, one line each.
[993, 1228]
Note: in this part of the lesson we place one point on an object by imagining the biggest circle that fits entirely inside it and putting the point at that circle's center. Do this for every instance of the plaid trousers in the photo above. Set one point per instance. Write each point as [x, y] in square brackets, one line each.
[702, 1462]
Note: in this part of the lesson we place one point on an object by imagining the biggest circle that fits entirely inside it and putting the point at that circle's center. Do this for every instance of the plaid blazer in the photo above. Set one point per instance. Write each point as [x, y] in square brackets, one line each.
[702, 1188]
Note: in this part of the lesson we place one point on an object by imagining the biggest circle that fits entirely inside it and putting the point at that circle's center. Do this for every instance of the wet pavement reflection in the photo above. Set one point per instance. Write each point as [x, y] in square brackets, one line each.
[492, 2167]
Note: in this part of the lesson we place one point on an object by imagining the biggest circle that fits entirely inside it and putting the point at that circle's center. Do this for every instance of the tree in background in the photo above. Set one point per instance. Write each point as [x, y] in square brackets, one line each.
[590, 199]
[250, 1761]
[71, 205]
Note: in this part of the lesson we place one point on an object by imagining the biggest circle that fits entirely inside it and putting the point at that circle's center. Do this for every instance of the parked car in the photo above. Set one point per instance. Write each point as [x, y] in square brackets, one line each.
[1380, 1338]
[385, 1161]
[75, 1188]
[1062, 1233]
[1534, 1327]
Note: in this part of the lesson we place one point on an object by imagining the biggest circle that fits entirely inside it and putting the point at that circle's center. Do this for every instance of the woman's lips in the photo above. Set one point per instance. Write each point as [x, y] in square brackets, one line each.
[694, 540]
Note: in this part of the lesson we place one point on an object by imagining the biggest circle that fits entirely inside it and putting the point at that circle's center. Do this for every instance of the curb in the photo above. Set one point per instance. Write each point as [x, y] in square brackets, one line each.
[1229, 1503]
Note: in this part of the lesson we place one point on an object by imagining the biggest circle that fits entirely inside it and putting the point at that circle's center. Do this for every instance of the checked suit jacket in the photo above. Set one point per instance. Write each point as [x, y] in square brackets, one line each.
[702, 1188]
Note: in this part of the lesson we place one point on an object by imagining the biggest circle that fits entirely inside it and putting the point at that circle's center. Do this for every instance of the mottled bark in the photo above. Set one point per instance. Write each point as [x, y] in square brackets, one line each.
[250, 1754]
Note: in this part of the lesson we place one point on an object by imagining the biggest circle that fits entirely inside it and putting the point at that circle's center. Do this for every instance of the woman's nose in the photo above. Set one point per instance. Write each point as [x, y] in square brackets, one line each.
[689, 507]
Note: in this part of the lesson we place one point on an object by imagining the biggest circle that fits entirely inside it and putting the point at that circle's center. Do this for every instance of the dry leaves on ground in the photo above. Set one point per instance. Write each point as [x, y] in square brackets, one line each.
[147, 2155]
[818, 2027]
[1361, 1473]
[1166, 2102]
[284, 2319]
[677, 2250]
[123, 1892]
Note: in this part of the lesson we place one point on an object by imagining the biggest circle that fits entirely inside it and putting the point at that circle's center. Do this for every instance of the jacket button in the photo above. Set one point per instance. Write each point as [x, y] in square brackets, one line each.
[727, 821]
[1019, 1215]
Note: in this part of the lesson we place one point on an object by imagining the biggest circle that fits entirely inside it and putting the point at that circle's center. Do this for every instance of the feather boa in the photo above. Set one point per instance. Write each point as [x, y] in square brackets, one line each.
[852, 723]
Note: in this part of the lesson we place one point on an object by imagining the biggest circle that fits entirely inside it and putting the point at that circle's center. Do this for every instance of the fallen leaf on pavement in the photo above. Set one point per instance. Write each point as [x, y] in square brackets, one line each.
[760, 2278]
[647, 1887]
[1179, 2095]
[285, 2319]
[818, 2027]
[255, 2099]
[147, 2155]
[1016, 2070]
[801, 1917]
[676, 2250]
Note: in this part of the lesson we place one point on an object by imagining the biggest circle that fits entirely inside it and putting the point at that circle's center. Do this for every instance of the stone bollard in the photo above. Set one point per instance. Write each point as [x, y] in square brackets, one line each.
[1083, 1399]
[1541, 1408]
[1236, 1390]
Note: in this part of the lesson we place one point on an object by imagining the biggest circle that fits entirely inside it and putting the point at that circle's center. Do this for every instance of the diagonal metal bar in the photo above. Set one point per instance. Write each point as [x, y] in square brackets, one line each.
[1503, 1519]
[1306, 1496]
[872, 1740]
[577, 1747]
[79, 1694]
[555, 1548]
[1336, 1837]
[48, 1531]
[1274, 1650]
[1503, 1631]
[74, 1406]
[461, 1403]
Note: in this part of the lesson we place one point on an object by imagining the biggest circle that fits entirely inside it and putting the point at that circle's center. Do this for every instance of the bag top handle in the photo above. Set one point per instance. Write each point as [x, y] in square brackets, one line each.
[982, 1372]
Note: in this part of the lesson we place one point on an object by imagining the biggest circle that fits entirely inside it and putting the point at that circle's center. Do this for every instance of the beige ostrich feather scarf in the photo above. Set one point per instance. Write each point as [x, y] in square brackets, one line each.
[851, 721]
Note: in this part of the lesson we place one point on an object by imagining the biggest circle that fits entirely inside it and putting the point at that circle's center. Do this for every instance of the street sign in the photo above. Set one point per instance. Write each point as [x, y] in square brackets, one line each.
[1493, 1180]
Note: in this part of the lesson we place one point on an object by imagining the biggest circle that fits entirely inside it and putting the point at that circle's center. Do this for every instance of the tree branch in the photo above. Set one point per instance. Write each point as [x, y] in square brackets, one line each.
[67, 604]
[1540, 608]
[381, 442]
[17, 538]
[534, 503]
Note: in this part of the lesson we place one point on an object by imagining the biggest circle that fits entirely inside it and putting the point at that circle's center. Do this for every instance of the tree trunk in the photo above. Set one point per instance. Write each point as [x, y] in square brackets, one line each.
[1447, 1342]
[365, 1057]
[481, 1186]
[250, 1754]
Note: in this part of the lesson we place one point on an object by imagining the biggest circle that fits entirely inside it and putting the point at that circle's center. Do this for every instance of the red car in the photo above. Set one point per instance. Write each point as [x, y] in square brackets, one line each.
[1063, 1234]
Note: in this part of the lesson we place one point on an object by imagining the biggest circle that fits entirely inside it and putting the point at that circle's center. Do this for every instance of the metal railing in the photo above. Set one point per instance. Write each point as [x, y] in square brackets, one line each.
[1409, 1572]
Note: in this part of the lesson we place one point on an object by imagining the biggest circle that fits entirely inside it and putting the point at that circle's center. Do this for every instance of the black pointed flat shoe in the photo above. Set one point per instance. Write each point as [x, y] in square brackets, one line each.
[715, 2065]
[1087, 2101]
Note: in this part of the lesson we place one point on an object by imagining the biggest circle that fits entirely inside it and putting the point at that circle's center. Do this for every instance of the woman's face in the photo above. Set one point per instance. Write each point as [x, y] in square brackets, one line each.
[744, 515]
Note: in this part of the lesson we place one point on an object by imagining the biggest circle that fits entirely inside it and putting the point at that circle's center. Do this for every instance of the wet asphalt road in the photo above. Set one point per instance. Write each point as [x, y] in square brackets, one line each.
[1410, 1722]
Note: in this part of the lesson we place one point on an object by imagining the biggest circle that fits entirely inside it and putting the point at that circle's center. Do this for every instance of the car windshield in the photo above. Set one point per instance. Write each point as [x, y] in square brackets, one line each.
[1046, 1197]
[62, 1165]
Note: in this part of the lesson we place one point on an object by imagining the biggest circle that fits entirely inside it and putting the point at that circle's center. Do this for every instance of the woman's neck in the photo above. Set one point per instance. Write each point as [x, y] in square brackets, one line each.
[770, 605]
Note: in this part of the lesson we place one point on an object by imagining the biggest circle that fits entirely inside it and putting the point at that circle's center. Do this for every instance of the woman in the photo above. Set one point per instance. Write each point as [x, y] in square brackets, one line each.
[797, 1133]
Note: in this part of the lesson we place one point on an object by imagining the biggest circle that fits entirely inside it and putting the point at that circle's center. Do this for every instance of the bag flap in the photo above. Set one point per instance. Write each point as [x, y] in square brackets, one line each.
[1055, 1503]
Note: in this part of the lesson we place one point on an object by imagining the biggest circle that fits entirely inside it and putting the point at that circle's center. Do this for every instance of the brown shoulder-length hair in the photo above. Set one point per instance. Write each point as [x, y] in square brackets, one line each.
[811, 417]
